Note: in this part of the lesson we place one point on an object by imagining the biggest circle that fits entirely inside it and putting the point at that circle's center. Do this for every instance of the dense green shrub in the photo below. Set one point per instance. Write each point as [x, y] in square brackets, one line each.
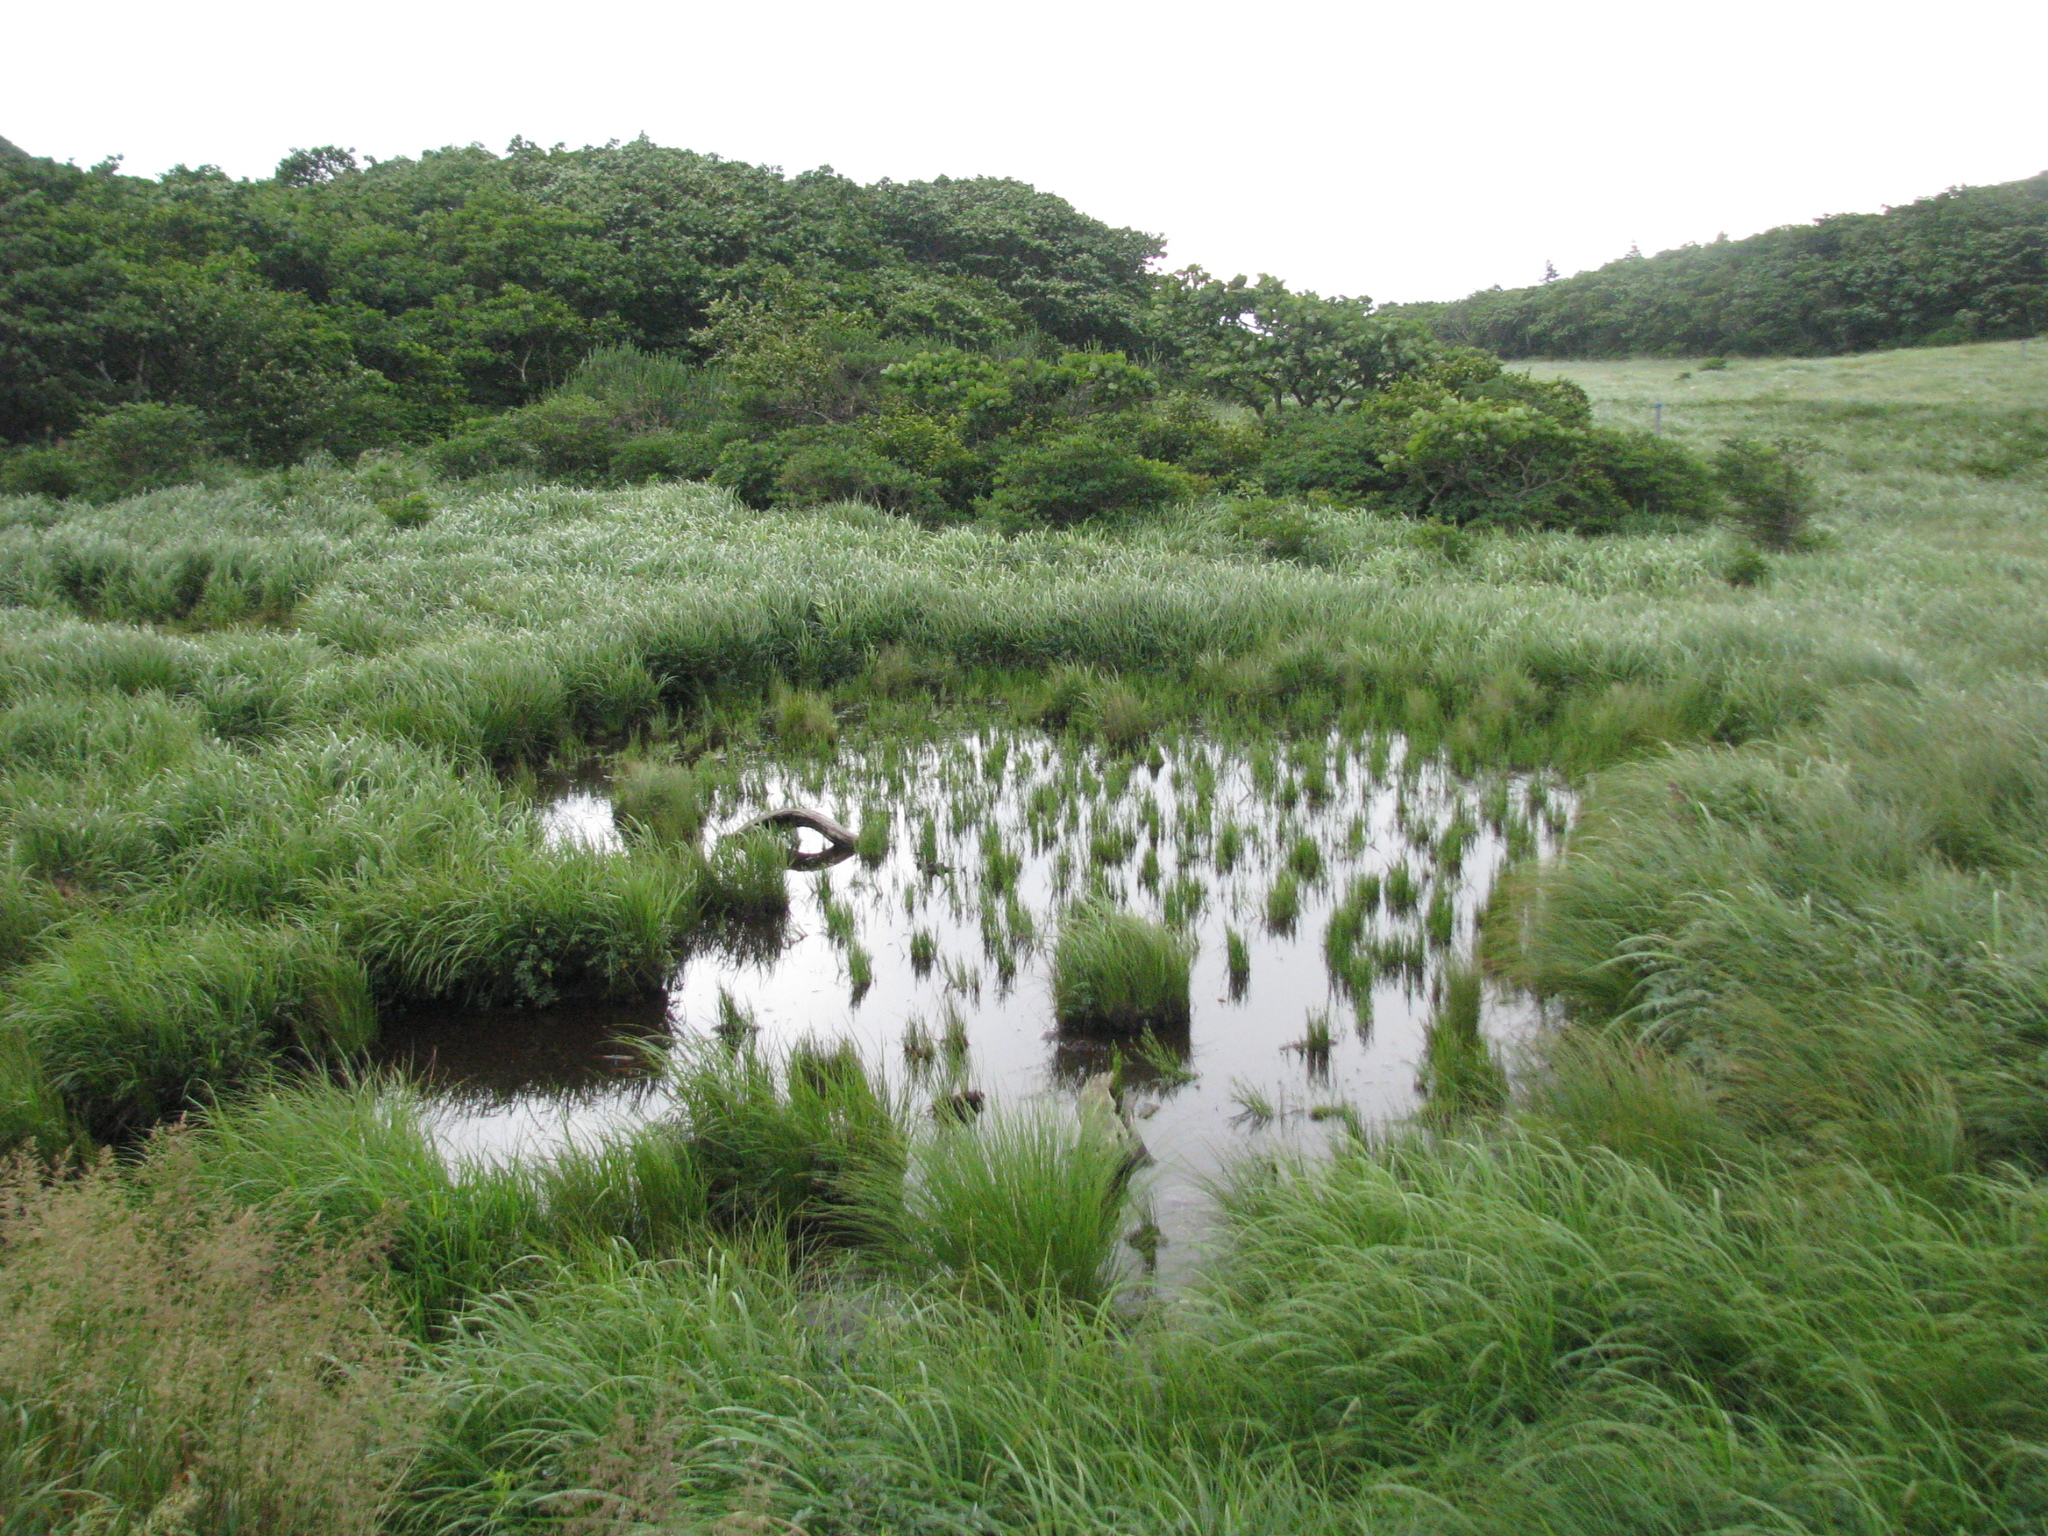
[844, 467]
[1184, 429]
[748, 468]
[665, 455]
[37, 470]
[1653, 475]
[142, 447]
[1474, 462]
[1082, 475]
[1342, 454]
[565, 437]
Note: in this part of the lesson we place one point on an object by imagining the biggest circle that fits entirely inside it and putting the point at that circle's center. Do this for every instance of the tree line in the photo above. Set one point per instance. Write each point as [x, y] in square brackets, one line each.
[1968, 264]
[632, 312]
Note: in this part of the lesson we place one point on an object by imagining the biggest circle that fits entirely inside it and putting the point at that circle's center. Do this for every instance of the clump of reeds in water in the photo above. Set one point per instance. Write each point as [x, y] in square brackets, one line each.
[1460, 1075]
[663, 803]
[1113, 970]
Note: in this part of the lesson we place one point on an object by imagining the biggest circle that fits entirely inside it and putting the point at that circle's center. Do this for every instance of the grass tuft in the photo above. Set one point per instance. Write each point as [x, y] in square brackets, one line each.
[1115, 971]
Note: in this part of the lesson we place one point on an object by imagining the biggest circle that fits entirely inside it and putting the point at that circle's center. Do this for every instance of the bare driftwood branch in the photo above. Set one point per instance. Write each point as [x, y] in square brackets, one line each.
[797, 816]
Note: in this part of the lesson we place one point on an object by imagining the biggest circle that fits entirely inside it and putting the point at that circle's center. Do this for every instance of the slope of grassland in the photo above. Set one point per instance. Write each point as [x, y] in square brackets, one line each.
[1758, 1245]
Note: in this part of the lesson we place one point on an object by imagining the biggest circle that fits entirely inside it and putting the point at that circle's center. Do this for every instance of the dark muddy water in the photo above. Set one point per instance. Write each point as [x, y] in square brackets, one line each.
[942, 942]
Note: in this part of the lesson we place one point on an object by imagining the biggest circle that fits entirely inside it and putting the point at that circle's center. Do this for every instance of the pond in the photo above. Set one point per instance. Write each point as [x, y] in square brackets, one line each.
[930, 947]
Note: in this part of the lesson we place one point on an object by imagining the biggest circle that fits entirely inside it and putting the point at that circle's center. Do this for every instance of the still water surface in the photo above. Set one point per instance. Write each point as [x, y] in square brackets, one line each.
[990, 837]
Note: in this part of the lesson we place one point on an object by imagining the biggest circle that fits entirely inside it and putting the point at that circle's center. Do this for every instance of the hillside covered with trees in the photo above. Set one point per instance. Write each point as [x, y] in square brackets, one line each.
[1968, 264]
[631, 313]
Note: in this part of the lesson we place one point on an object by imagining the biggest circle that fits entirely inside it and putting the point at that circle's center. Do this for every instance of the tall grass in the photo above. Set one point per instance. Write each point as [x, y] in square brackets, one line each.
[132, 1025]
[1115, 971]
[172, 1363]
[1017, 1203]
[1753, 1245]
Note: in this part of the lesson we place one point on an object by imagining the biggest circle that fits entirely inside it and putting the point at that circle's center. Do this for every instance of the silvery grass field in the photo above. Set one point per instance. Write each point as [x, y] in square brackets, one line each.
[1425, 1030]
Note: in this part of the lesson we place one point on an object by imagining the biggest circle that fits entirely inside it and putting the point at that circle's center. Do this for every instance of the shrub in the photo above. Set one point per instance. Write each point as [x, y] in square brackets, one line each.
[1654, 475]
[571, 437]
[1774, 496]
[1474, 462]
[1082, 475]
[847, 469]
[1114, 970]
[564, 437]
[142, 447]
[748, 469]
[35, 470]
[1343, 453]
[1560, 399]
[1183, 430]
[665, 455]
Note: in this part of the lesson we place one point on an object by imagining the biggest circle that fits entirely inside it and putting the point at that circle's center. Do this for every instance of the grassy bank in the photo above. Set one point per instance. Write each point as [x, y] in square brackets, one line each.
[1755, 1245]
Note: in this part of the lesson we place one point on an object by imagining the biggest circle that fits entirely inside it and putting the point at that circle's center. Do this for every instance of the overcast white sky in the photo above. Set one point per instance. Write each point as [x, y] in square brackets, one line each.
[1401, 151]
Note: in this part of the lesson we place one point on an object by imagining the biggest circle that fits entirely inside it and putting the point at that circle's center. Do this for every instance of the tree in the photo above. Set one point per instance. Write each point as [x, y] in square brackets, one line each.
[1268, 348]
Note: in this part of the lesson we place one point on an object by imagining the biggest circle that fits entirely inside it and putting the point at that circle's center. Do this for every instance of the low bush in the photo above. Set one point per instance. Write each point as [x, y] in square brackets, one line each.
[145, 446]
[1115, 971]
[665, 455]
[1080, 476]
[36, 470]
[845, 468]
[1654, 476]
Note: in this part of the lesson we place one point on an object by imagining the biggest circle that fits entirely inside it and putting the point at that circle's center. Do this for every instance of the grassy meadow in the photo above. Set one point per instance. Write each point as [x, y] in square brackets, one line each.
[1753, 1240]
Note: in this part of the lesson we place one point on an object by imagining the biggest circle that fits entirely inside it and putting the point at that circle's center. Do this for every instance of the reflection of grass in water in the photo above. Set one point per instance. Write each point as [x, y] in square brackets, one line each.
[1440, 921]
[735, 1021]
[1460, 1075]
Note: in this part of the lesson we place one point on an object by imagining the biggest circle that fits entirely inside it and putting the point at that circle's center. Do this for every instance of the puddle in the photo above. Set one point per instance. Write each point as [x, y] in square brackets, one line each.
[944, 940]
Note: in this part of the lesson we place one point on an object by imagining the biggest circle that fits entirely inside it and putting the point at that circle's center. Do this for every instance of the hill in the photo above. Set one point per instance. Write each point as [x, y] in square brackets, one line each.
[338, 303]
[1968, 264]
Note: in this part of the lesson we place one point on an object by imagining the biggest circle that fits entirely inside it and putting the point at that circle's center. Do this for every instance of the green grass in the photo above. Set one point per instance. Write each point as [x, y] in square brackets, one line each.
[1115, 971]
[663, 802]
[1016, 1203]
